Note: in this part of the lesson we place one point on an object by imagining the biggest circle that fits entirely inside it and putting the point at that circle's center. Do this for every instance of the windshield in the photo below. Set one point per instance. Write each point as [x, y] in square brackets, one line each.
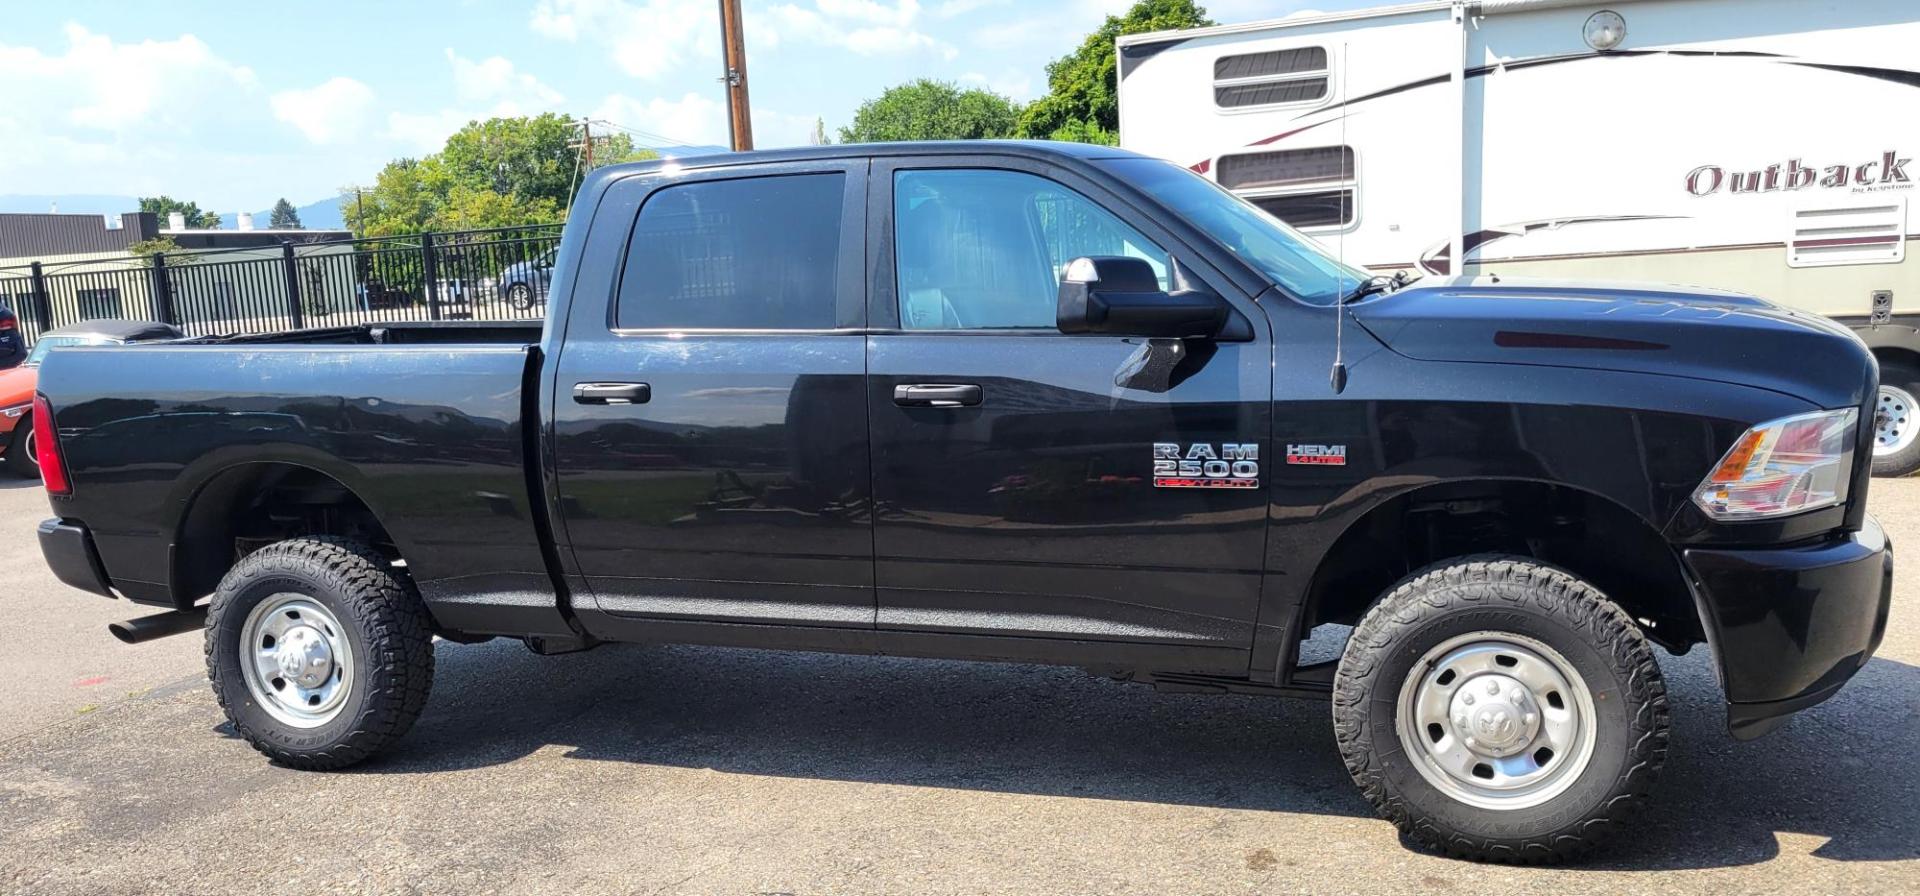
[49, 343]
[1295, 263]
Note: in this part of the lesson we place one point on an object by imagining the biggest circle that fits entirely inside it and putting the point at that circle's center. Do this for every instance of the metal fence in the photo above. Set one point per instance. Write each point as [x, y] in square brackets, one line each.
[500, 274]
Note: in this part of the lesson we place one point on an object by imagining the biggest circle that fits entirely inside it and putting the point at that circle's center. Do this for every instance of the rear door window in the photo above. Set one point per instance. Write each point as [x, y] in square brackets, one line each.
[757, 253]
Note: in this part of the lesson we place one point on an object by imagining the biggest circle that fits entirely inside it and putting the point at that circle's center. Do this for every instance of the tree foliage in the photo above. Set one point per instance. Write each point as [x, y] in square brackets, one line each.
[284, 216]
[502, 172]
[932, 110]
[162, 206]
[1083, 88]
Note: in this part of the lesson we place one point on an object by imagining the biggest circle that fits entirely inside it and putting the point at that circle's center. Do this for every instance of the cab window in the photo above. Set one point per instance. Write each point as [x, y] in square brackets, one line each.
[758, 253]
[983, 249]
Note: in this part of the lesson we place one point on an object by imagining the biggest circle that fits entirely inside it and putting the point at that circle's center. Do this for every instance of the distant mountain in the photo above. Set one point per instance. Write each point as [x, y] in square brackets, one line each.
[322, 215]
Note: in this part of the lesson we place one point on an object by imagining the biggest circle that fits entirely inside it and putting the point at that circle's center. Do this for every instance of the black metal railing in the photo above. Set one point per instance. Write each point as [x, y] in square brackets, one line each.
[500, 274]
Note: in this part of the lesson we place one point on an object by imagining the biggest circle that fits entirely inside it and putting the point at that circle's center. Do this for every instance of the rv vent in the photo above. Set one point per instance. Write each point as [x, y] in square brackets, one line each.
[1272, 78]
[1870, 233]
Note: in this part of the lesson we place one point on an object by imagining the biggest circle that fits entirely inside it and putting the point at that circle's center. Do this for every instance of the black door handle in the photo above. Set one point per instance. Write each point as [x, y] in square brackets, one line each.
[938, 395]
[612, 393]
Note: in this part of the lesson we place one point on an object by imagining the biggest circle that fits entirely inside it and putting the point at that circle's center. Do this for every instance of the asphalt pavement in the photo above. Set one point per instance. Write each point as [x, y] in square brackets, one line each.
[702, 770]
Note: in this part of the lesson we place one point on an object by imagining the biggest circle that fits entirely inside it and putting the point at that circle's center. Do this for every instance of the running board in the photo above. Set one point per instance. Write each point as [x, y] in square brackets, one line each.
[1312, 682]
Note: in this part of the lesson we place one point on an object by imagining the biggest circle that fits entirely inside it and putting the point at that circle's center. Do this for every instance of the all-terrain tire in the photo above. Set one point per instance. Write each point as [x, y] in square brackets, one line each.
[1899, 392]
[1518, 596]
[20, 459]
[386, 626]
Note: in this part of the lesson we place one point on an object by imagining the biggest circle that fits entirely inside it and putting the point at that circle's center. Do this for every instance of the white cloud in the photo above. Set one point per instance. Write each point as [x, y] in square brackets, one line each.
[1009, 83]
[861, 26]
[334, 111]
[101, 85]
[494, 79]
[954, 8]
[696, 118]
[488, 88]
[646, 38]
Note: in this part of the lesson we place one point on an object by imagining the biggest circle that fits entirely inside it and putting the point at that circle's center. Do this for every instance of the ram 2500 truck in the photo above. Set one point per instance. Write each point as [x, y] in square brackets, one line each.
[1019, 402]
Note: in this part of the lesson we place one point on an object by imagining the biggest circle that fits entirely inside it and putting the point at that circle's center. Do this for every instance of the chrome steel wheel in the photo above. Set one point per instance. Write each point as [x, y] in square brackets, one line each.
[296, 660]
[1496, 720]
[27, 444]
[1894, 426]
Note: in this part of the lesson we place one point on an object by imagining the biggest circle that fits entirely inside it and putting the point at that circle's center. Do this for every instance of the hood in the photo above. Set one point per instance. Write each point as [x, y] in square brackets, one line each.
[16, 386]
[1635, 327]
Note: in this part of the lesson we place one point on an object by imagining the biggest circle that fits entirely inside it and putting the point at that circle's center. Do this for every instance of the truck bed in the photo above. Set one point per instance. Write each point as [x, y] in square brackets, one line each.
[423, 423]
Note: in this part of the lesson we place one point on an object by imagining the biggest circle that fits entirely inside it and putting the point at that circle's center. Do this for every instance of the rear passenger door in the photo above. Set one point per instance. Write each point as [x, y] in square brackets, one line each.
[710, 425]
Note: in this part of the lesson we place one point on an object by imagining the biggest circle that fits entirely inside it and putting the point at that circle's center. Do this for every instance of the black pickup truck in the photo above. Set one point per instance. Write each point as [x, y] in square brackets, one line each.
[1019, 402]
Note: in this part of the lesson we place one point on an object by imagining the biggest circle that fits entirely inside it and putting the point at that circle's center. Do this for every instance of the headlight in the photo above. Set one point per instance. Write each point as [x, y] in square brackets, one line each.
[1782, 467]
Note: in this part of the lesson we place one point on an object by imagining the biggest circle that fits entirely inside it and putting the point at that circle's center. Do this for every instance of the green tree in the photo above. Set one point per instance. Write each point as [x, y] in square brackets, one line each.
[932, 110]
[162, 206]
[284, 216]
[1082, 88]
[501, 172]
[145, 250]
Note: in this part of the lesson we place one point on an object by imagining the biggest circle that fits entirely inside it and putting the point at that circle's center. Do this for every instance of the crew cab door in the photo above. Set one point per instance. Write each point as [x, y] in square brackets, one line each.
[710, 432]
[1013, 464]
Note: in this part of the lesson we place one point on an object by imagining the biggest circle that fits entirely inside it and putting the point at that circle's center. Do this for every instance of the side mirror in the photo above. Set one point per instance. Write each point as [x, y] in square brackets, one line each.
[1120, 296]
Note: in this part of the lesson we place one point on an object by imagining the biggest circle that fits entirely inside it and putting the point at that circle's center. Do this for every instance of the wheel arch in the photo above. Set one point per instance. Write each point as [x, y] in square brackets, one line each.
[1588, 534]
[243, 507]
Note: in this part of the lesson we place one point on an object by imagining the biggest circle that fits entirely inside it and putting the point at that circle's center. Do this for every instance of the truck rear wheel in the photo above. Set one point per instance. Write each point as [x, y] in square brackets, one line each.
[320, 655]
[1896, 420]
[1498, 709]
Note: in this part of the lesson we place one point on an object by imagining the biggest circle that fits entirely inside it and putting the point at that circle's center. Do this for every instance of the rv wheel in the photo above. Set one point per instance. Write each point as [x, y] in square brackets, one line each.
[1896, 421]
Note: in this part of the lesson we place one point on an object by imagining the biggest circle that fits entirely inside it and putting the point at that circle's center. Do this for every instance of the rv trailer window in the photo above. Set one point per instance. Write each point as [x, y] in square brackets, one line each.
[1286, 168]
[1307, 188]
[1272, 78]
[1333, 208]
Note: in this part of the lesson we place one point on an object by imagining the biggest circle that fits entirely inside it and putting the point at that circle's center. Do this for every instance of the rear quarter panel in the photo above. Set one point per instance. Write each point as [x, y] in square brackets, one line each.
[427, 436]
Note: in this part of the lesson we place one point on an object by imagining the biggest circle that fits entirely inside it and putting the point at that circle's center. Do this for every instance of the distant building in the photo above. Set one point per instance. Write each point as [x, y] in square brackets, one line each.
[88, 272]
[27, 238]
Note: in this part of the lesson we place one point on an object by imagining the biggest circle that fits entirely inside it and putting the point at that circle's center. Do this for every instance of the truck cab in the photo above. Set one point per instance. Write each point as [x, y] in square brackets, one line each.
[1018, 402]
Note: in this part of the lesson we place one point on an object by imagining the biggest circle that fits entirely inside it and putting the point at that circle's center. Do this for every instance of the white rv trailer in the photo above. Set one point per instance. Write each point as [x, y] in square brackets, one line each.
[1766, 146]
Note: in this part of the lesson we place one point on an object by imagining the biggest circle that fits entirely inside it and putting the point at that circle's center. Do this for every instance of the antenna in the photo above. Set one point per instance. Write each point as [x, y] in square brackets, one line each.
[1337, 377]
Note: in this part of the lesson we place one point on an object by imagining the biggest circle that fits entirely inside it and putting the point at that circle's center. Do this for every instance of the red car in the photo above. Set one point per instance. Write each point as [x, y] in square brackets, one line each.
[16, 385]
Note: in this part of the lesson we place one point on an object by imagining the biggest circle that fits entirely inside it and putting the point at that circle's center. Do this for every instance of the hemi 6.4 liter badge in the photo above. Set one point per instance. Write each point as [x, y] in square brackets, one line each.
[1317, 455]
[1199, 465]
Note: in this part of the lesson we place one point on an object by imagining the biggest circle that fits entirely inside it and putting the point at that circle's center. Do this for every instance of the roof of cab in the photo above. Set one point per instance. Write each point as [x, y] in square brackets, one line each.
[1033, 149]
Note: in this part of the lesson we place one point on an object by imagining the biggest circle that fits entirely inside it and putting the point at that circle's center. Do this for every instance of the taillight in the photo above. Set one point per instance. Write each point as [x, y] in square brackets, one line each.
[46, 448]
[8, 323]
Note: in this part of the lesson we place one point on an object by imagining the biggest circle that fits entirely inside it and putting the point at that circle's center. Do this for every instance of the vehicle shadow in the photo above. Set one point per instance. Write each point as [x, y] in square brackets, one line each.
[1848, 771]
[11, 483]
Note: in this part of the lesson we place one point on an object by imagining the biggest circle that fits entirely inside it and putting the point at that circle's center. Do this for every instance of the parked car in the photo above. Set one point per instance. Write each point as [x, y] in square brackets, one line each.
[1029, 402]
[525, 283]
[17, 385]
[13, 346]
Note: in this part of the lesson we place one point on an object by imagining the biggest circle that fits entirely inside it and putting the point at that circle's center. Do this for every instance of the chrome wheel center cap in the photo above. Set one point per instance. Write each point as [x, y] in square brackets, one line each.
[1494, 715]
[304, 657]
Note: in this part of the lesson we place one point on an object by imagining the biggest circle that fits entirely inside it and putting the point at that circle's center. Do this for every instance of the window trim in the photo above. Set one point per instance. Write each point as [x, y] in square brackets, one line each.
[850, 301]
[1213, 90]
[1351, 184]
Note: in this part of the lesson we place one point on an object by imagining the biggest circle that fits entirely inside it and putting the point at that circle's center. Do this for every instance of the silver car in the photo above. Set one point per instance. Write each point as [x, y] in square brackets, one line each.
[525, 283]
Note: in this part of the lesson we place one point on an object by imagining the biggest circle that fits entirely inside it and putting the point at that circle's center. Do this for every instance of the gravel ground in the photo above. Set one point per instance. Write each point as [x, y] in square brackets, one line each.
[698, 770]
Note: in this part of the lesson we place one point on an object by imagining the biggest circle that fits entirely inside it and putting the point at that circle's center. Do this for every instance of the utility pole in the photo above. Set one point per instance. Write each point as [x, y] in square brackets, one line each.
[739, 113]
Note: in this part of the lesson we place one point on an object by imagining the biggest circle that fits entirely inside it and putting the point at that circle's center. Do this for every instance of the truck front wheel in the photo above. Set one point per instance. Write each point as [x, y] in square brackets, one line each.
[320, 655]
[1500, 709]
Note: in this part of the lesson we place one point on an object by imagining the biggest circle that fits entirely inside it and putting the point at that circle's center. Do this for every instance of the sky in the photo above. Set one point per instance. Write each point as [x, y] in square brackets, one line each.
[233, 105]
